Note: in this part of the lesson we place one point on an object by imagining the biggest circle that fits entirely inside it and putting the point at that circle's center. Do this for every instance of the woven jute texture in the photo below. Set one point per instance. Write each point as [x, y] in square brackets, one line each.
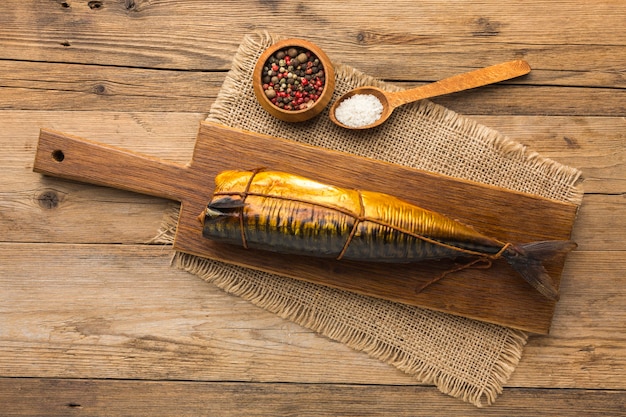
[464, 358]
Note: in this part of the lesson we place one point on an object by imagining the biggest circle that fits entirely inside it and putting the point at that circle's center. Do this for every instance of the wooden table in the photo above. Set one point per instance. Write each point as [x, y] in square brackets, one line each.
[94, 321]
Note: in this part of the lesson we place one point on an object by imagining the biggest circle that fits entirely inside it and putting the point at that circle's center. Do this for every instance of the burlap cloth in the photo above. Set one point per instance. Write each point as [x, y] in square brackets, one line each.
[464, 358]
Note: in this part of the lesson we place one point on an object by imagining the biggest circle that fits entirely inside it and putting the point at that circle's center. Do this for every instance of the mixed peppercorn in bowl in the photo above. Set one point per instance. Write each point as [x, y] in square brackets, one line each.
[294, 80]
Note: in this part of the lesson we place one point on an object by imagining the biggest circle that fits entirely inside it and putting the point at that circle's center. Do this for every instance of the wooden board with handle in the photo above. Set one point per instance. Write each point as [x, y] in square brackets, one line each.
[496, 295]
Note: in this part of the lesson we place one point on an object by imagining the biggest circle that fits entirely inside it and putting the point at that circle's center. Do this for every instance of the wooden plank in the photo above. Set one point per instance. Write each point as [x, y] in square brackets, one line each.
[582, 49]
[592, 144]
[24, 86]
[120, 311]
[603, 223]
[587, 335]
[534, 100]
[47, 210]
[166, 135]
[67, 209]
[40, 209]
[595, 145]
[472, 292]
[45, 86]
[56, 397]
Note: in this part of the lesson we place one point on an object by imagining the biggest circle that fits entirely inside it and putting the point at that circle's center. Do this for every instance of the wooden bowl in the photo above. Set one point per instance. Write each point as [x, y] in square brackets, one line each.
[294, 115]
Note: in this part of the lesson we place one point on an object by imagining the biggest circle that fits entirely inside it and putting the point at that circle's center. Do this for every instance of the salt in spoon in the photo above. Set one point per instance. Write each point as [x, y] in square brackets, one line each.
[456, 83]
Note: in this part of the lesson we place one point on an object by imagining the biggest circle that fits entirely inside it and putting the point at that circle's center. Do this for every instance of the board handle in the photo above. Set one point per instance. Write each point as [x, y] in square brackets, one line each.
[75, 158]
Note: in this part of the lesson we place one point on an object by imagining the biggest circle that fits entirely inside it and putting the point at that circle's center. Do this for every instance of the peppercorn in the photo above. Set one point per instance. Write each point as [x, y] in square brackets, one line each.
[302, 58]
[293, 78]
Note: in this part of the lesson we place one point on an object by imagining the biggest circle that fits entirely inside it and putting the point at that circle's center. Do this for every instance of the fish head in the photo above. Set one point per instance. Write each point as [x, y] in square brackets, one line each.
[221, 219]
[224, 207]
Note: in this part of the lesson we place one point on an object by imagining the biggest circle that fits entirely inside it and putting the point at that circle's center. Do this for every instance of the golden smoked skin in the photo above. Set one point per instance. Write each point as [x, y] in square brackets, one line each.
[287, 213]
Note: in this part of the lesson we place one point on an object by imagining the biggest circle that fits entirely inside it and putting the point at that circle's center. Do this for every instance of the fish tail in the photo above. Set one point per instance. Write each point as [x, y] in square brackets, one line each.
[527, 259]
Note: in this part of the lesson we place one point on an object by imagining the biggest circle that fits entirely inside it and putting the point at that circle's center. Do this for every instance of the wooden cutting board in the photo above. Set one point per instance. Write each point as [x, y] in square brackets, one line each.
[496, 295]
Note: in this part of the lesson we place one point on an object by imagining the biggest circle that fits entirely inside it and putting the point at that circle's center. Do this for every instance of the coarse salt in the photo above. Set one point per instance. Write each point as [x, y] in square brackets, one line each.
[359, 110]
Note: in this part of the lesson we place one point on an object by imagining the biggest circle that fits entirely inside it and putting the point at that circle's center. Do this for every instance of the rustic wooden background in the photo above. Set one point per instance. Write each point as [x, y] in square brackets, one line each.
[93, 321]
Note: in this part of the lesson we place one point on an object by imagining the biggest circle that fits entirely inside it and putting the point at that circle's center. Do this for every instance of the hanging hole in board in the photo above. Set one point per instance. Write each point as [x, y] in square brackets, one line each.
[58, 155]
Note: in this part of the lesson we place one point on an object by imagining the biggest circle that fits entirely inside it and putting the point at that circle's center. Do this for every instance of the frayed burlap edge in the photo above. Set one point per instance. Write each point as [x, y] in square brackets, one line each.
[512, 343]
[327, 325]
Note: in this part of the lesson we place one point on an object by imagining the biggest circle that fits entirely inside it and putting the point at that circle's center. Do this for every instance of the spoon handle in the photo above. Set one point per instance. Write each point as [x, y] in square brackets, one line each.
[472, 79]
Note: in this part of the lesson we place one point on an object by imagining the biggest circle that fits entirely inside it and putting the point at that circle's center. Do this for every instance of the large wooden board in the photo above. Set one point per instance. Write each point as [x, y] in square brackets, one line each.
[497, 295]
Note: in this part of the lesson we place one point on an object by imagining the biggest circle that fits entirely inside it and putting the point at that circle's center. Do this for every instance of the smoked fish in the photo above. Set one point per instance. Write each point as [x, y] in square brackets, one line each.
[287, 213]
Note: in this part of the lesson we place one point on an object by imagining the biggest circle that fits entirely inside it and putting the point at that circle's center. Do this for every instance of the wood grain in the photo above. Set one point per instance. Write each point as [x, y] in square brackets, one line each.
[137, 337]
[130, 316]
[421, 37]
[143, 89]
[506, 215]
[124, 217]
[158, 398]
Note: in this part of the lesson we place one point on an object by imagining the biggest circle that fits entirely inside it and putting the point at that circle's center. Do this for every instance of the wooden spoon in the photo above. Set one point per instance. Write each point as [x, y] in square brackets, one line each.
[456, 83]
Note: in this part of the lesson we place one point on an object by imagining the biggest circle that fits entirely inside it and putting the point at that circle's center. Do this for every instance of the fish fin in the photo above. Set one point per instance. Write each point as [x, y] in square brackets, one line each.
[527, 260]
